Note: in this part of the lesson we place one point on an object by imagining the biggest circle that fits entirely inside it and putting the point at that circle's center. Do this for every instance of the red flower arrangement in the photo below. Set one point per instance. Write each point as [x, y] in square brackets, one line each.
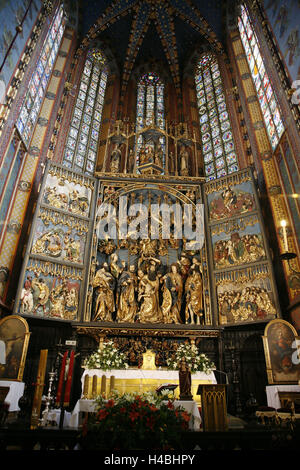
[136, 422]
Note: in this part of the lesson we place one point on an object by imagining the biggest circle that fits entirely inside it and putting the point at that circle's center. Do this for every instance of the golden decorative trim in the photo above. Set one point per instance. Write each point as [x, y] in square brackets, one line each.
[98, 332]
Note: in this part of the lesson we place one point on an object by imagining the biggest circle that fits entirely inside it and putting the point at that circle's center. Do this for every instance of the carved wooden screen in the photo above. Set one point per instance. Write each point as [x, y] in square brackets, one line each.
[243, 282]
[53, 277]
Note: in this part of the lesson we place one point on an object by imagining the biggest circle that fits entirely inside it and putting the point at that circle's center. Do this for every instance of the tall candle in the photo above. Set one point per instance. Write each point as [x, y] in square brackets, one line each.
[285, 242]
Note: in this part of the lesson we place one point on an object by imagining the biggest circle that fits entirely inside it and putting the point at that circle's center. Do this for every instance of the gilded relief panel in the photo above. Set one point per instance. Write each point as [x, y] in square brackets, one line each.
[60, 237]
[52, 281]
[237, 242]
[50, 291]
[243, 279]
[245, 295]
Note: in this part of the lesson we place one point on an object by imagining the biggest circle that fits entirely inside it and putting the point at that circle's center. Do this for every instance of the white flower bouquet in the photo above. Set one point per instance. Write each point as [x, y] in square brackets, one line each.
[106, 357]
[195, 361]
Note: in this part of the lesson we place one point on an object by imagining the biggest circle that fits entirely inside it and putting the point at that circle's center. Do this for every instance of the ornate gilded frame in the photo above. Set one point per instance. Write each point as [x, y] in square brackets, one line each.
[294, 375]
[16, 351]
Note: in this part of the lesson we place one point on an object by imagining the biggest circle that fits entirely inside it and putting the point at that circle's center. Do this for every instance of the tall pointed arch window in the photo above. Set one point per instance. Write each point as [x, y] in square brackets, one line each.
[38, 83]
[82, 141]
[150, 106]
[218, 147]
[265, 92]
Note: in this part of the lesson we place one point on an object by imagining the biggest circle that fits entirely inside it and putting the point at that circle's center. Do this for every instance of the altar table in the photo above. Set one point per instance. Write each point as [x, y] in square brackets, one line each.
[88, 406]
[142, 380]
[16, 391]
[272, 392]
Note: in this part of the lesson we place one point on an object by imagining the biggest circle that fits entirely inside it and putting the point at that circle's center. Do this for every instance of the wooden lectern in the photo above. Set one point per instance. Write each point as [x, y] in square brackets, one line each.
[213, 407]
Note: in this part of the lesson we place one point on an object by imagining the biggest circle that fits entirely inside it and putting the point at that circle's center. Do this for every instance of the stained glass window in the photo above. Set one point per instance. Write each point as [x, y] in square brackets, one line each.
[38, 83]
[82, 141]
[218, 147]
[265, 92]
[150, 106]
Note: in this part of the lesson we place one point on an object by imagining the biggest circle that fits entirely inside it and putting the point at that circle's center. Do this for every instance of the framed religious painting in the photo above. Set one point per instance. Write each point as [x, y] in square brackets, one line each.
[282, 352]
[14, 339]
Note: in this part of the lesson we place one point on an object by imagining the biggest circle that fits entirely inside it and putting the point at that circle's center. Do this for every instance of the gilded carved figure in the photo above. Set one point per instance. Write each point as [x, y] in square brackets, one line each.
[105, 302]
[127, 306]
[194, 296]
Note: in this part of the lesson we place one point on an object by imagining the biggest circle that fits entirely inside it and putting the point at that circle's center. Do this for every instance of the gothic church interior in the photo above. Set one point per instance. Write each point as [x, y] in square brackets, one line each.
[149, 167]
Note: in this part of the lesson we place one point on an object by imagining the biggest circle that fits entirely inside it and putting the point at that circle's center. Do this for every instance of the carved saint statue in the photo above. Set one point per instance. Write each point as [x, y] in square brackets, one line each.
[194, 295]
[127, 306]
[185, 381]
[41, 292]
[148, 297]
[115, 159]
[130, 162]
[172, 296]
[158, 159]
[142, 156]
[104, 284]
[184, 161]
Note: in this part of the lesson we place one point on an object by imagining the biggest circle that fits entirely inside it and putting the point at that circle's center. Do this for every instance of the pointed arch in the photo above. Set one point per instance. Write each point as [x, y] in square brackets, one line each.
[265, 92]
[150, 107]
[84, 133]
[37, 86]
[217, 139]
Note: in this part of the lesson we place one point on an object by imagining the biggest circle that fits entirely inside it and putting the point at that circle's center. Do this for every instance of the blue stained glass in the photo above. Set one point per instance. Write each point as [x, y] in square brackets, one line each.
[222, 107]
[218, 152]
[78, 112]
[217, 141]
[231, 158]
[220, 163]
[85, 128]
[223, 116]
[209, 169]
[75, 122]
[73, 132]
[79, 160]
[89, 166]
[208, 157]
[83, 139]
[227, 136]
[207, 147]
[205, 137]
[225, 125]
[221, 173]
[218, 119]
[93, 145]
[69, 155]
[203, 118]
[81, 148]
[211, 177]
[95, 134]
[92, 155]
[215, 131]
[229, 147]
[71, 143]
[233, 168]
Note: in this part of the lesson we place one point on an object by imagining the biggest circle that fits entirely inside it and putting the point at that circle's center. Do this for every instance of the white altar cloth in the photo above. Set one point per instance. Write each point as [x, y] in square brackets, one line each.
[16, 391]
[273, 396]
[88, 406]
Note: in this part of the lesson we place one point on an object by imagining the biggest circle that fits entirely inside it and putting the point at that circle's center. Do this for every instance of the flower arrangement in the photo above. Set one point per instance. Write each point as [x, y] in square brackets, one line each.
[195, 361]
[133, 421]
[107, 357]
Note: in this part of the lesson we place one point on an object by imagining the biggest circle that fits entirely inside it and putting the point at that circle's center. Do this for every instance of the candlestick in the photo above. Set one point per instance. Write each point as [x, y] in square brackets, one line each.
[284, 233]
